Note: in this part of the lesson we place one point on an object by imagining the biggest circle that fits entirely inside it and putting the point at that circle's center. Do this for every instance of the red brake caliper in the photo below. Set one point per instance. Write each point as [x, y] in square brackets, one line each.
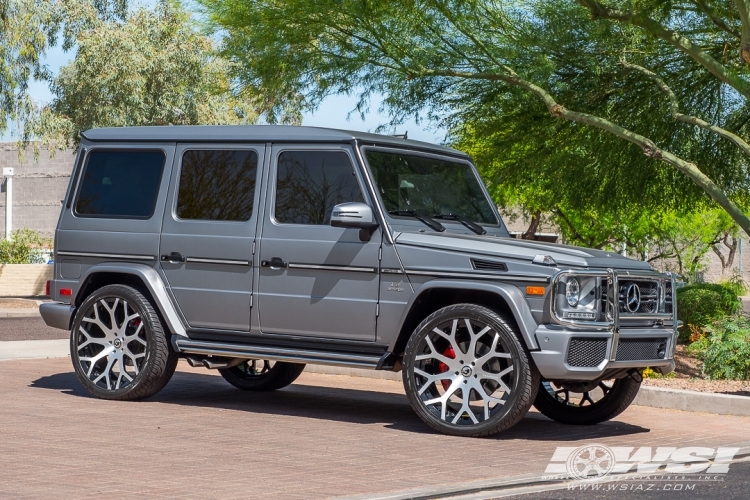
[442, 367]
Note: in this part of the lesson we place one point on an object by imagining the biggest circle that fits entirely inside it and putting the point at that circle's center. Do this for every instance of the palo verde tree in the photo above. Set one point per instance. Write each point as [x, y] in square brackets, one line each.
[686, 61]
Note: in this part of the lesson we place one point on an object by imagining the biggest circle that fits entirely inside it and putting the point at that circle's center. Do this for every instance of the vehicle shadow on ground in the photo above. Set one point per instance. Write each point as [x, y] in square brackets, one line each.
[335, 404]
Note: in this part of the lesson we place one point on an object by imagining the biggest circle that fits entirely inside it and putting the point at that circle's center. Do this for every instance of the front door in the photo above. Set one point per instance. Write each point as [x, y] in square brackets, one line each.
[207, 237]
[315, 280]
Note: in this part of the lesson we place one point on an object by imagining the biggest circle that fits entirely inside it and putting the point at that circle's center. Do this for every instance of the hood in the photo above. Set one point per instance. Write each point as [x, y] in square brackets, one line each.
[526, 250]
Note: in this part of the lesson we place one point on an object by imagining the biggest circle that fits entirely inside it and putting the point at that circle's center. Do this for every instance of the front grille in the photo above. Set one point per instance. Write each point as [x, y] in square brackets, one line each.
[586, 352]
[638, 296]
[668, 297]
[641, 349]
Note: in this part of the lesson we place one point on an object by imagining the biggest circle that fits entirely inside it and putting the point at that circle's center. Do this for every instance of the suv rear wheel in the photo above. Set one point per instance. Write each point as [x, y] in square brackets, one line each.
[466, 373]
[262, 375]
[118, 346]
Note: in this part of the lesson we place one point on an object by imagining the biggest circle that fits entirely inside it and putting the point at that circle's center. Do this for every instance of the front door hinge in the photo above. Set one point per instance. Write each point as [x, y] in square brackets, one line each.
[380, 253]
[253, 247]
[377, 310]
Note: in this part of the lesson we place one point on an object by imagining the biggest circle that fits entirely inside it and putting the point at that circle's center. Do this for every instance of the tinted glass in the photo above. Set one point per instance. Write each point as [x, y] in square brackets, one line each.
[217, 185]
[120, 184]
[310, 183]
[429, 186]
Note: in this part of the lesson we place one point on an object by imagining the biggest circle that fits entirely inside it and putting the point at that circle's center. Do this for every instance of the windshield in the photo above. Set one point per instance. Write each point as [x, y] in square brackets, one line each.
[428, 186]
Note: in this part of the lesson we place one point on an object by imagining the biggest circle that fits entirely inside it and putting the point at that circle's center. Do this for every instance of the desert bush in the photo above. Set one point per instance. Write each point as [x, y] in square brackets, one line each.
[23, 248]
[700, 304]
[725, 349]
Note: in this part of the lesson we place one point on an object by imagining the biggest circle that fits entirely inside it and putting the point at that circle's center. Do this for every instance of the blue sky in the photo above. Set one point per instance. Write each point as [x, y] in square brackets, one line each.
[332, 112]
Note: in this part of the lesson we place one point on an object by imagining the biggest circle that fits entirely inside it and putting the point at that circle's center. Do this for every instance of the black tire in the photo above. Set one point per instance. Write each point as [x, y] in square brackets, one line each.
[614, 402]
[475, 372]
[146, 344]
[247, 377]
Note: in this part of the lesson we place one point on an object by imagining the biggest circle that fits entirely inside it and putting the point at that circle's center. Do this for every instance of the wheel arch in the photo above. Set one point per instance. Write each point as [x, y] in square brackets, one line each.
[139, 275]
[437, 294]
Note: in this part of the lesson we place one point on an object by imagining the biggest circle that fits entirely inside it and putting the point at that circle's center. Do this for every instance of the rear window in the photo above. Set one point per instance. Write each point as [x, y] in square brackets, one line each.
[217, 185]
[120, 184]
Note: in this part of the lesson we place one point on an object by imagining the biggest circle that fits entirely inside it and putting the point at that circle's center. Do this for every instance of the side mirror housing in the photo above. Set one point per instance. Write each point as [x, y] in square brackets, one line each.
[355, 215]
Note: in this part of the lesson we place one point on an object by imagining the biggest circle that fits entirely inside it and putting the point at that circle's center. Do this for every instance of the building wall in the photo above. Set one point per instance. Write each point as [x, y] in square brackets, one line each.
[39, 186]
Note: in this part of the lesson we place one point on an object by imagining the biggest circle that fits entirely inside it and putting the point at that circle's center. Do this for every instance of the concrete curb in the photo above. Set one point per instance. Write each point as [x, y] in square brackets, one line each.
[19, 313]
[34, 349]
[704, 402]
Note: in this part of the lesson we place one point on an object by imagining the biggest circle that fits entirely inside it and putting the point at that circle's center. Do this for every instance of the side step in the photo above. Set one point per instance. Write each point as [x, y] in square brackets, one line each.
[244, 351]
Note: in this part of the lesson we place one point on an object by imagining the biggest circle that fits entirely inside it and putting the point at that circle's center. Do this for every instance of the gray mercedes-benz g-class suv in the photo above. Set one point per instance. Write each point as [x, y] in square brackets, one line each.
[256, 249]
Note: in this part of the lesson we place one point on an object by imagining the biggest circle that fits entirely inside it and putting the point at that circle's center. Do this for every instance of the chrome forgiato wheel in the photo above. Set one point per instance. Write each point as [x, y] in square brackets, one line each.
[466, 373]
[111, 343]
[587, 402]
[118, 347]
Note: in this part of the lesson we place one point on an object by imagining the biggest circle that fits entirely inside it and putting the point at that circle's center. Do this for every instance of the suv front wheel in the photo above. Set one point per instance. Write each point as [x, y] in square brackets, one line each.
[587, 402]
[466, 373]
[118, 346]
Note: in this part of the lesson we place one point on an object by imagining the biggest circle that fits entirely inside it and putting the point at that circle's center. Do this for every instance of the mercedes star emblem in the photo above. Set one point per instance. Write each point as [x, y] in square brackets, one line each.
[632, 297]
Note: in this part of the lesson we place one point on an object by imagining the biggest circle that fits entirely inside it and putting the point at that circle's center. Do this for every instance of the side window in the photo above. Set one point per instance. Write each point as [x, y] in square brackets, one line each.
[310, 183]
[217, 185]
[120, 184]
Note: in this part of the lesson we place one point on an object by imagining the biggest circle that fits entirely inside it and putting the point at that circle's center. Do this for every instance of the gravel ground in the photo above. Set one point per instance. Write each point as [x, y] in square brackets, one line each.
[28, 329]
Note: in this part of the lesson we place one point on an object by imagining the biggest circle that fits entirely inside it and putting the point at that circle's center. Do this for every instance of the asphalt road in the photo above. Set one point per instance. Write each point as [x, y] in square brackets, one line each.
[735, 486]
[28, 329]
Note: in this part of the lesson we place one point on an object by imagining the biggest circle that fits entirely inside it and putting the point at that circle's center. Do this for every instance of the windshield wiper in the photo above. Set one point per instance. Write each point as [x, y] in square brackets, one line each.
[473, 226]
[432, 224]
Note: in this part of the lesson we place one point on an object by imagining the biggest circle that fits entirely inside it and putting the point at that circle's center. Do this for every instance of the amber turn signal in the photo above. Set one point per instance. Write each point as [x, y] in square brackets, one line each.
[535, 290]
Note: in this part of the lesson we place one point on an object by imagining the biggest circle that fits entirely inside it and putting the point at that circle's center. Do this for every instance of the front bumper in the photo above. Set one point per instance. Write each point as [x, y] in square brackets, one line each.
[567, 354]
[57, 315]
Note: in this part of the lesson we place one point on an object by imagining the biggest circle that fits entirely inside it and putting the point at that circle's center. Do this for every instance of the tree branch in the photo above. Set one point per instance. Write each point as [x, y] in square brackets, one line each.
[743, 6]
[647, 145]
[598, 10]
[674, 108]
[719, 22]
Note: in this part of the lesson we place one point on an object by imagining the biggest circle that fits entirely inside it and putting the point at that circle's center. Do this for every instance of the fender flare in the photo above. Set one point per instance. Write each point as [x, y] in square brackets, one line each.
[512, 296]
[153, 282]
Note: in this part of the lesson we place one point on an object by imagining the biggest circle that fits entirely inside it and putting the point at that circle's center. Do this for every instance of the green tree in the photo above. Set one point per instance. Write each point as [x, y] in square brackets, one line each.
[669, 77]
[152, 68]
[27, 29]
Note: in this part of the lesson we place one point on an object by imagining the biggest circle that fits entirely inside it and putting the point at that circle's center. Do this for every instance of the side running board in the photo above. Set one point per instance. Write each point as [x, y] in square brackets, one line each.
[188, 346]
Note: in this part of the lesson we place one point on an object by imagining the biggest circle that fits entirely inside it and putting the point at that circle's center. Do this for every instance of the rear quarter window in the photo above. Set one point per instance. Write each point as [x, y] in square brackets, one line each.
[120, 184]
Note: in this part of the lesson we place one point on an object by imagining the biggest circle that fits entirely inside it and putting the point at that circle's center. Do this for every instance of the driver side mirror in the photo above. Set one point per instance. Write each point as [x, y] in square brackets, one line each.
[355, 215]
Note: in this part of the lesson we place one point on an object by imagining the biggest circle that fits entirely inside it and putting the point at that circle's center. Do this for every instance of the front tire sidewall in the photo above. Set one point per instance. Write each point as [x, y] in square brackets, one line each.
[151, 370]
[524, 383]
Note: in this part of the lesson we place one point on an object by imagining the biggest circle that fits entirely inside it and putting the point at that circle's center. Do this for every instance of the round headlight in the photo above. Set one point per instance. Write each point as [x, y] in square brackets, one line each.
[572, 291]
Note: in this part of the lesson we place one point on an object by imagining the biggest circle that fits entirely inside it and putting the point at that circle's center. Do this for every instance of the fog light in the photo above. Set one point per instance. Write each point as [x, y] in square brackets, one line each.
[572, 290]
[579, 315]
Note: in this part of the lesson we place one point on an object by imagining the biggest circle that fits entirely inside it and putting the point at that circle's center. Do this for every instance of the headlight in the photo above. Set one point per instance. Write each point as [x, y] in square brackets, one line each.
[572, 291]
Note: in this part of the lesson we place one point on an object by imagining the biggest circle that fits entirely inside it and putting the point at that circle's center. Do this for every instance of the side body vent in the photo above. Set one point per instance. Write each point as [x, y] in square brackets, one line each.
[488, 265]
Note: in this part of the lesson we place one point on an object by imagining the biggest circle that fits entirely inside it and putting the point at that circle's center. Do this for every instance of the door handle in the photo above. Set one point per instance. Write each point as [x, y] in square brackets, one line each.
[275, 263]
[173, 257]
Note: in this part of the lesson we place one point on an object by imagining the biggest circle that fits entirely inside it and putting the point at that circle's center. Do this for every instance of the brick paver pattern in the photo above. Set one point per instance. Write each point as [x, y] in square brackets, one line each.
[324, 436]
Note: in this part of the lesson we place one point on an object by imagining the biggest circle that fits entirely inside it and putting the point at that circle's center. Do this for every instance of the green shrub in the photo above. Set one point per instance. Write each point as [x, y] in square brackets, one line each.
[23, 248]
[700, 304]
[725, 349]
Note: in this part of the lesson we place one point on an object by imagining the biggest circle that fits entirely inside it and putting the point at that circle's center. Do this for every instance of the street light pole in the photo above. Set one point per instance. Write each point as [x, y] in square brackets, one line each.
[8, 174]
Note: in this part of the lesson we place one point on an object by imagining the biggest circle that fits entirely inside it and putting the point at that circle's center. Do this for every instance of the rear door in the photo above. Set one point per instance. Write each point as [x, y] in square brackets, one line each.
[315, 280]
[206, 249]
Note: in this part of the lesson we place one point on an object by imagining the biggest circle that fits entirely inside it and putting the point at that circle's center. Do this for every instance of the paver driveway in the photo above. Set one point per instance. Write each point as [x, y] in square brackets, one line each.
[324, 436]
